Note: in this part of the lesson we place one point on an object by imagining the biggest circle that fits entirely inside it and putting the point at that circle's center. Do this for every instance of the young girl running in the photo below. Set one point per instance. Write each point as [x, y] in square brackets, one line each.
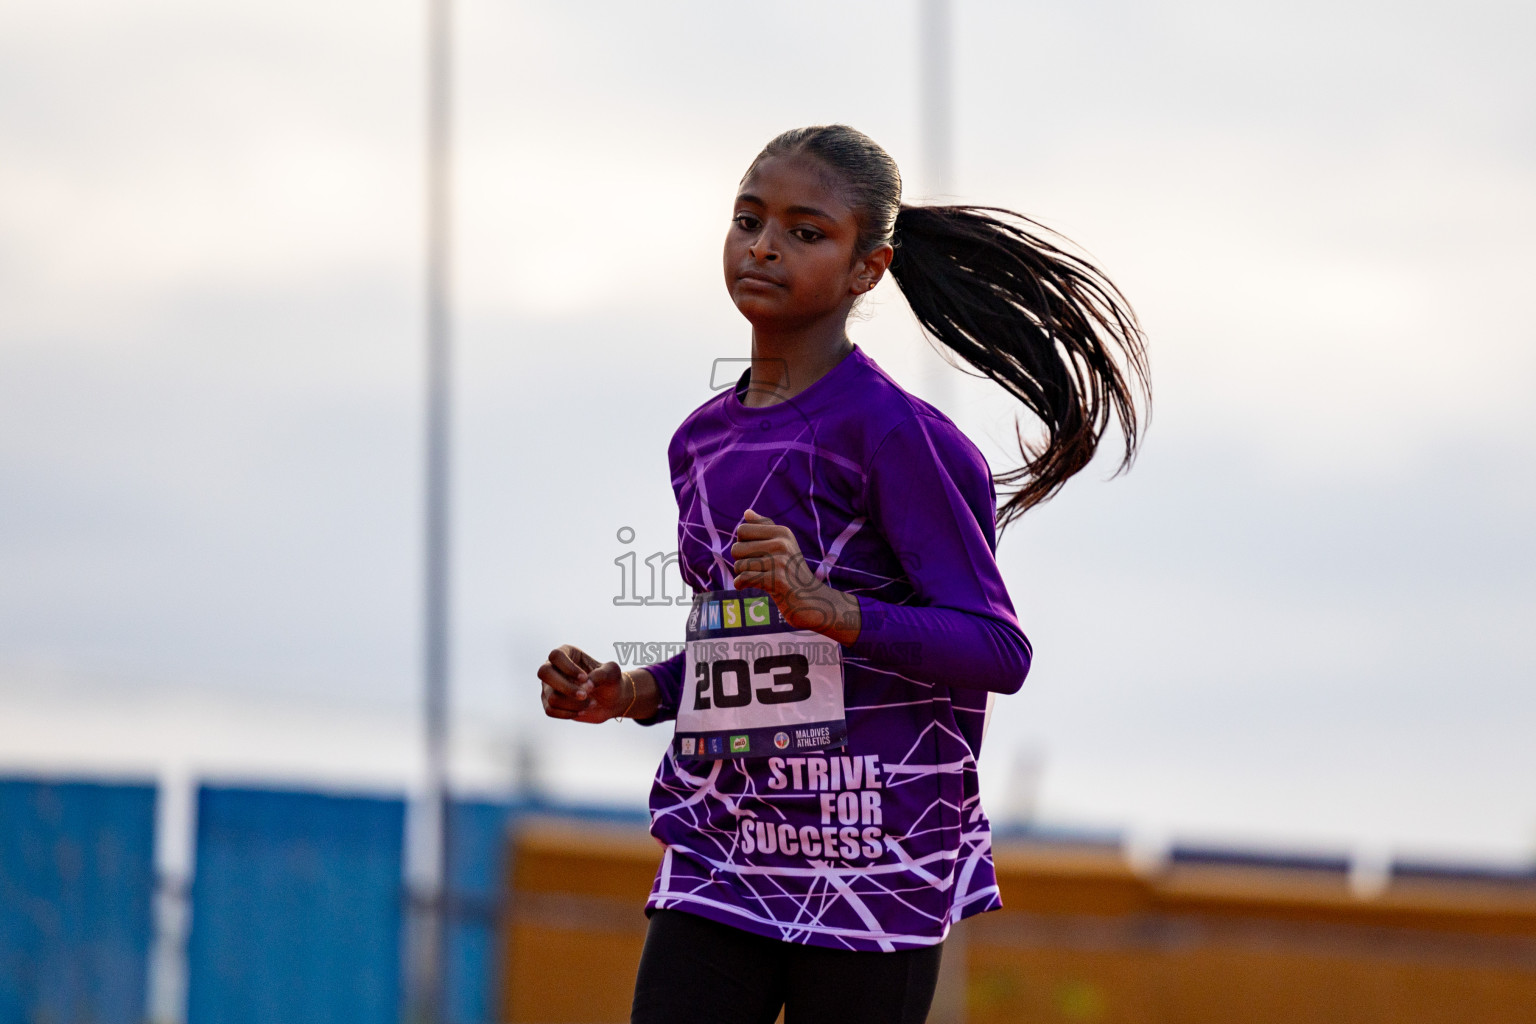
[819, 805]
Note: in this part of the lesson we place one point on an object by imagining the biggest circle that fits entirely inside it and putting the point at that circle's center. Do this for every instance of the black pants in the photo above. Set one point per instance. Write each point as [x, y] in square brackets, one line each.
[696, 971]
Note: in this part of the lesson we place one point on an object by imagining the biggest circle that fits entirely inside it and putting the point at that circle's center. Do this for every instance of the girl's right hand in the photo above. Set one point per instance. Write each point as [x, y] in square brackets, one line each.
[577, 686]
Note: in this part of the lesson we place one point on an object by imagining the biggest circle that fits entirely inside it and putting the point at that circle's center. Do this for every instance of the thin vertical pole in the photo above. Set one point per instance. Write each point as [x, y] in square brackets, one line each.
[936, 124]
[430, 985]
[935, 110]
[937, 103]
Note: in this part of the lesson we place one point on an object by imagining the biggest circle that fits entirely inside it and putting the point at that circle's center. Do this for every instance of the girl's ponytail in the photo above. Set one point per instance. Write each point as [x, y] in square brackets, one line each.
[1046, 325]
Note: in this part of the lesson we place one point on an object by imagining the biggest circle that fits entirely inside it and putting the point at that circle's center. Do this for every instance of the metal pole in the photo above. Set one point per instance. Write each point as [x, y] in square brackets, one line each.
[430, 994]
[935, 107]
[937, 99]
[935, 121]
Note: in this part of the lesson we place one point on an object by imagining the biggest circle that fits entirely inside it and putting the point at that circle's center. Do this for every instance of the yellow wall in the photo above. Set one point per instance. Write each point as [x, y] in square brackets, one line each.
[575, 924]
[1082, 938]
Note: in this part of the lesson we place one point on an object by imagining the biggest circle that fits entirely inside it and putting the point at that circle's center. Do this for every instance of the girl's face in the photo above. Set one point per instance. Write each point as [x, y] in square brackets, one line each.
[789, 254]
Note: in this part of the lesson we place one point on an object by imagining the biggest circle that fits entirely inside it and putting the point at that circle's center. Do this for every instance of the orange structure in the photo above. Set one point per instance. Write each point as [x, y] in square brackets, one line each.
[1209, 938]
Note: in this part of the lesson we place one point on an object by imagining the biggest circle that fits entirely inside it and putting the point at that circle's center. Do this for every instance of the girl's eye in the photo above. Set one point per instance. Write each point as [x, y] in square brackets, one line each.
[807, 234]
[746, 221]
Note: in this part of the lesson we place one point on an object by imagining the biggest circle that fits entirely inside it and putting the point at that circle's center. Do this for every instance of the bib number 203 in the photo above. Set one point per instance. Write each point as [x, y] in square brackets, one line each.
[729, 683]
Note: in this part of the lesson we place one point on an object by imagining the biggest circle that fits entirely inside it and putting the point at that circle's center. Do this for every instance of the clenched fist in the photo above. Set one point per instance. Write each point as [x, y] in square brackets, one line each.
[767, 557]
[576, 685]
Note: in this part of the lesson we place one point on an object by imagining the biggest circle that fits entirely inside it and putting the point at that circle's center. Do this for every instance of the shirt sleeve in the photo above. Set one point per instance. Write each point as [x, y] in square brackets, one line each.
[669, 684]
[930, 494]
[669, 673]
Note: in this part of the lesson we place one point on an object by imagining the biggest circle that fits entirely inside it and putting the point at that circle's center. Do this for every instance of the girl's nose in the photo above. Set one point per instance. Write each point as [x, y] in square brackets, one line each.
[761, 250]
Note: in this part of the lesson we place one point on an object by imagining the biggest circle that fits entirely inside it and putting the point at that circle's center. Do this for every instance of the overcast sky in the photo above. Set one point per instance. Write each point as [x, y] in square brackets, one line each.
[1305, 618]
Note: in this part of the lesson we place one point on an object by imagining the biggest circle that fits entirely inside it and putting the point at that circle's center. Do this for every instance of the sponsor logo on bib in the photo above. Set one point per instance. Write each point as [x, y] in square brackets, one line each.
[740, 744]
[756, 609]
[780, 740]
[732, 611]
[688, 742]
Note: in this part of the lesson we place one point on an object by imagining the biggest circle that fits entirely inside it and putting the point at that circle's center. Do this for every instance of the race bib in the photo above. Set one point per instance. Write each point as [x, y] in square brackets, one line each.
[755, 686]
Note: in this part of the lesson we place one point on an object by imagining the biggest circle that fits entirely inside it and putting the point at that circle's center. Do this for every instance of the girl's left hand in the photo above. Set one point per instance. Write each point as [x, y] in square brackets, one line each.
[768, 557]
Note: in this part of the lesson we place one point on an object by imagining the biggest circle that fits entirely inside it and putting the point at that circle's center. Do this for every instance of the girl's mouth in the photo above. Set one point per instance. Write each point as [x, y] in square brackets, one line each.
[758, 278]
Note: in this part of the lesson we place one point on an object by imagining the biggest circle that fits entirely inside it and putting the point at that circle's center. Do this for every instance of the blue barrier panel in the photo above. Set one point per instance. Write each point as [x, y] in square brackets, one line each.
[477, 866]
[296, 909]
[77, 878]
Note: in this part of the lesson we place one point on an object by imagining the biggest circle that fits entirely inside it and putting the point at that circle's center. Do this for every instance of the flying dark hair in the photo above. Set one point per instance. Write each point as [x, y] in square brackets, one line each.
[1045, 324]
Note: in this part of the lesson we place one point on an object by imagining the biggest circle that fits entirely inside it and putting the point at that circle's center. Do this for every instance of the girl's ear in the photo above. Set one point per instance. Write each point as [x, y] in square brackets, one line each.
[869, 268]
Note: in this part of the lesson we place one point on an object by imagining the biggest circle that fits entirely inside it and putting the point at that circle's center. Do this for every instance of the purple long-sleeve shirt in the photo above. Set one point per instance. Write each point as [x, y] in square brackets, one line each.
[889, 501]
